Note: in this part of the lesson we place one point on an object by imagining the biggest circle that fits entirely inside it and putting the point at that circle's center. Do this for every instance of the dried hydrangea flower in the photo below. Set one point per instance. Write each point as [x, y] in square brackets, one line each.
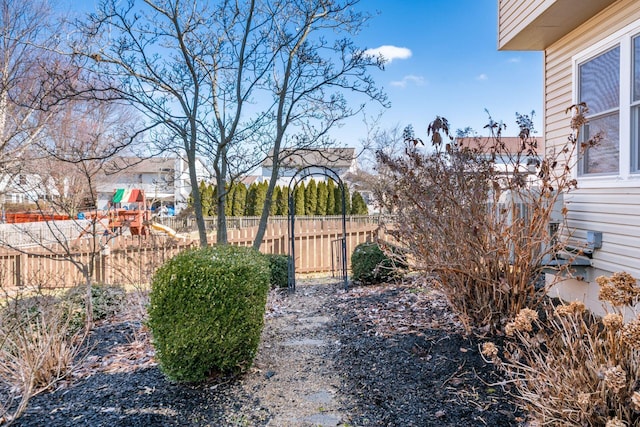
[635, 401]
[576, 307]
[631, 333]
[584, 401]
[616, 422]
[490, 350]
[524, 318]
[615, 378]
[613, 321]
[510, 329]
[620, 289]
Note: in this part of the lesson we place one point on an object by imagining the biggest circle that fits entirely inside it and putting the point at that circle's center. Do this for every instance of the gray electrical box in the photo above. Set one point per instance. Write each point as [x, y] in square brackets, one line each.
[594, 239]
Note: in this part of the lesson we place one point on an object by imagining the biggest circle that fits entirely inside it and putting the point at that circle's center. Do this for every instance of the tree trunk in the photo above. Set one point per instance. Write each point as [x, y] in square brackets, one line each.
[221, 225]
[221, 199]
[89, 299]
[262, 226]
[197, 200]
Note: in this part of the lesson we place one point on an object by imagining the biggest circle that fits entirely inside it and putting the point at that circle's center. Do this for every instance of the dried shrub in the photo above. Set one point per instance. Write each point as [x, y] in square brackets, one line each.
[574, 368]
[477, 217]
[620, 289]
[37, 349]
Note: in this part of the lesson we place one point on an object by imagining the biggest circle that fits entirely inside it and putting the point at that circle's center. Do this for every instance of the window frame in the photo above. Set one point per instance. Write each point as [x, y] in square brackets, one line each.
[634, 107]
[628, 171]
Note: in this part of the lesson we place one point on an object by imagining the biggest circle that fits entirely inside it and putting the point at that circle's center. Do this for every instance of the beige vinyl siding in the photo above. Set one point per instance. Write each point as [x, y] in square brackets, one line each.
[616, 213]
[558, 83]
[514, 15]
[614, 210]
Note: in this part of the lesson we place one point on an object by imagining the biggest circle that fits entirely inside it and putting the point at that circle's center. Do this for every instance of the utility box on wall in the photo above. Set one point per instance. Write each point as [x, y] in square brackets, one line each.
[594, 239]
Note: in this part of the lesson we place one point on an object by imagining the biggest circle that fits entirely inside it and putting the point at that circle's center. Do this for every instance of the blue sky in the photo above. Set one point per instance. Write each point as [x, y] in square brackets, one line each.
[445, 63]
[449, 66]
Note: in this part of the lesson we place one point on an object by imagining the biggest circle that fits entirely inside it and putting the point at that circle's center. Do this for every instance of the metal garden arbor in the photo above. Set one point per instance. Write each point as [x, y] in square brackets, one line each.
[297, 178]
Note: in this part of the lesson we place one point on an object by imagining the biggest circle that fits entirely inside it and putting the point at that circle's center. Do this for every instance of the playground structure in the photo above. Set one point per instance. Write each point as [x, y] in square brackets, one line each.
[165, 229]
[127, 209]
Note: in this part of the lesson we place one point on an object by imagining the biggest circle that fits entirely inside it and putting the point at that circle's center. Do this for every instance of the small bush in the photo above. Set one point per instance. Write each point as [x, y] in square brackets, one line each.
[279, 267]
[106, 301]
[370, 264]
[206, 311]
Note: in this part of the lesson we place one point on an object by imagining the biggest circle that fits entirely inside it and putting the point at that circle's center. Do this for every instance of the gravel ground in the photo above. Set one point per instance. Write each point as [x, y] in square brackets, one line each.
[370, 356]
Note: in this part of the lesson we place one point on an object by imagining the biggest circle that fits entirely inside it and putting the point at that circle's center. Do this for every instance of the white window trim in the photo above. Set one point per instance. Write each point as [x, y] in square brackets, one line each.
[622, 38]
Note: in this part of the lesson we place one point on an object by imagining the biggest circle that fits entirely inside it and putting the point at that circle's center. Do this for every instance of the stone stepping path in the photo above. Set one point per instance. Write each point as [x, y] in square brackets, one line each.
[300, 386]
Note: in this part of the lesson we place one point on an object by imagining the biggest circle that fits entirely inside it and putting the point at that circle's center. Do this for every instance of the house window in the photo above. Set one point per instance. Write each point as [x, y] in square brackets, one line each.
[599, 88]
[607, 79]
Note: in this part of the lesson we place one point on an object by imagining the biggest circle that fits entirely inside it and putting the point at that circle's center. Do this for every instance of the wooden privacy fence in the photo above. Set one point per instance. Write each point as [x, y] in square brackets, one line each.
[134, 259]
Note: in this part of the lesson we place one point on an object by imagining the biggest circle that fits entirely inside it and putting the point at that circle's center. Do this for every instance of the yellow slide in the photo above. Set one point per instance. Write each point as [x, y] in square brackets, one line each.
[159, 227]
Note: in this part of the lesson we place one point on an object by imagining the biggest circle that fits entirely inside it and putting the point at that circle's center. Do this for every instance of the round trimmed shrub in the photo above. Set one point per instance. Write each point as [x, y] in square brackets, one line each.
[371, 265]
[206, 311]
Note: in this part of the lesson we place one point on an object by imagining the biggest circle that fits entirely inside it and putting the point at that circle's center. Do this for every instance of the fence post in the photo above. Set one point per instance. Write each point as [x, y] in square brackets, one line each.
[21, 269]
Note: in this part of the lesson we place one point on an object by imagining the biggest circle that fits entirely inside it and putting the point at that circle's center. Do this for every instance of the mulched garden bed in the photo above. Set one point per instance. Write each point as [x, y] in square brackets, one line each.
[406, 362]
[403, 360]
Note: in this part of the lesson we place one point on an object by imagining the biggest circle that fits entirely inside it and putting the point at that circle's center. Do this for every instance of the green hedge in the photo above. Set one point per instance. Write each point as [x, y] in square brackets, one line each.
[206, 311]
[371, 265]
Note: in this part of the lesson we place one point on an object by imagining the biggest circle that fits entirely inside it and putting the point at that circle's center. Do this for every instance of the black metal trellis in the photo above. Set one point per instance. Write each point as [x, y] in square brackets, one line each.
[298, 177]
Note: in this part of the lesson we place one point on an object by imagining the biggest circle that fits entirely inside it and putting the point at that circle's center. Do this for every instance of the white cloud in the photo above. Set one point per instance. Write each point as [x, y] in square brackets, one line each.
[389, 53]
[409, 79]
[482, 77]
[514, 60]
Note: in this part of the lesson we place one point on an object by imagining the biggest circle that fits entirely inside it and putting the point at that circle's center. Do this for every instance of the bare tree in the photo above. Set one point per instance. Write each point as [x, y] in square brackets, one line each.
[148, 54]
[33, 78]
[83, 135]
[192, 68]
[62, 167]
[310, 77]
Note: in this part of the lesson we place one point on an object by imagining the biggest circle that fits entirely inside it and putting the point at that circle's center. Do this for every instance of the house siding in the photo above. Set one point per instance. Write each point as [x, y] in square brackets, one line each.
[615, 214]
[611, 208]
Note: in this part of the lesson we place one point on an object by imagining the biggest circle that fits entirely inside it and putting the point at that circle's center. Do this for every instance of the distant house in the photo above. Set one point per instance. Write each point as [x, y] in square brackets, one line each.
[165, 181]
[340, 160]
[591, 54]
[25, 188]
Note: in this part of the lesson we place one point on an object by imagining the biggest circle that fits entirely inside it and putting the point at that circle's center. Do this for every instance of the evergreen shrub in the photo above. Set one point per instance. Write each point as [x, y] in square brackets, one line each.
[279, 267]
[371, 265]
[206, 311]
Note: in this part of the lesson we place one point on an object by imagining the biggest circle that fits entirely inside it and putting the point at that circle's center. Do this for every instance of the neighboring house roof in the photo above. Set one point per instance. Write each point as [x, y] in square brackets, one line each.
[511, 144]
[248, 180]
[330, 157]
[137, 165]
